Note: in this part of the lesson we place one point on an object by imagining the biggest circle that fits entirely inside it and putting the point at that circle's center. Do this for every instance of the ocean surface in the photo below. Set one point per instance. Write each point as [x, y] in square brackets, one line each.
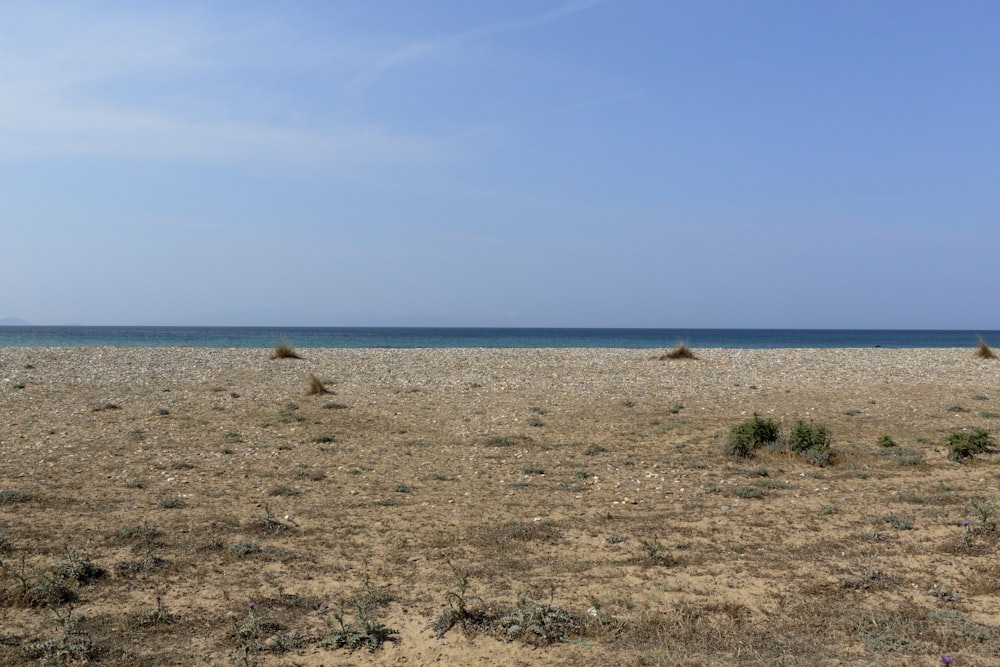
[439, 337]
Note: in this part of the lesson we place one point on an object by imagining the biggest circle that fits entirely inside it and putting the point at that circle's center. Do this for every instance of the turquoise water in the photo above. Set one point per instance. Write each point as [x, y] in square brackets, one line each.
[440, 337]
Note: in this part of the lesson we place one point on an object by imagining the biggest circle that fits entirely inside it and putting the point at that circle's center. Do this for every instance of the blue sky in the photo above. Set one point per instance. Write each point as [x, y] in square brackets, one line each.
[634, 163]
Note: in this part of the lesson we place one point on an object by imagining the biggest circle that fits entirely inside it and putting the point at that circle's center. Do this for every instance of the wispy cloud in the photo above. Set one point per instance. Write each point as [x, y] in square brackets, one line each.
[421, 48]
[183, 85]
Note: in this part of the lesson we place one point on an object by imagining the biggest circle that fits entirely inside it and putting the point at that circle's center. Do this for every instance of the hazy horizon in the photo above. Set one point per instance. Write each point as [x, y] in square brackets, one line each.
[542, 163]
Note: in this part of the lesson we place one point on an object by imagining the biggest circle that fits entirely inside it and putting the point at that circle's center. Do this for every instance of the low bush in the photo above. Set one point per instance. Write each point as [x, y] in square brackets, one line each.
[966, 444]
[750, 435]
[812, 443]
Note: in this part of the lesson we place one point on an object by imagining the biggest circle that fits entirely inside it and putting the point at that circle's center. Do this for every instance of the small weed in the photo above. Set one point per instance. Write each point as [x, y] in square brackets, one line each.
[284, 351]
[898, 522]
[168, 502]
[402, 488]
[956, 408]
[533, 470]
[323, 439]
[538, 623]
[72, 646]
[363, 632]
[902, 455]
[507, 440]
[886, 441]
[245, 548]
[682, 351]
[748, 492]
[8, 496]
[283, 490]
[536, 422]
[594, 450]
[316, 387]
[334, 406]
[983, 351]
[654, 553]
[538, 411]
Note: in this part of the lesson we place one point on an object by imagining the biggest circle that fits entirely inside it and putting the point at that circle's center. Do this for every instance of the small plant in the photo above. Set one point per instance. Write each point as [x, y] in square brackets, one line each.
[31, 589]
[886, 441]
[79, 567]
[748, 436]
[538, 623]
[156, 616]
[168, 502]
[654, 553]
[284, 351]
[72, 646]
[316, 387]
[12, 496]
[594, 450]
[363, 632]
[983, 351]
[332, 405]
[402, 488]
[964, 445]
[458, 598]
[245, 548]
[986, 513]
[283, 490]
[682, 351]
[536, 422]
[898, 522]
[748, 492]
[812, 443]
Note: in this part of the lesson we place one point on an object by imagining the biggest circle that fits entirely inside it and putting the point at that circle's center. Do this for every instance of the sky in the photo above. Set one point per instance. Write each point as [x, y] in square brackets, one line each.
[528, 163]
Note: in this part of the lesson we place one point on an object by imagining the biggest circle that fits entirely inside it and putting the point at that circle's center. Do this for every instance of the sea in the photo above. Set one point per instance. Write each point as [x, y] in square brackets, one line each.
[483, 337]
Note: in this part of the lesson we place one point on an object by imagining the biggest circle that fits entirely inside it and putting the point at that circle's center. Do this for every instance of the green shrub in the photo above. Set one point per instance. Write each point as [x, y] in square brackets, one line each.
[748, 436]
[966, 444]
[812, 443]
[886, 441]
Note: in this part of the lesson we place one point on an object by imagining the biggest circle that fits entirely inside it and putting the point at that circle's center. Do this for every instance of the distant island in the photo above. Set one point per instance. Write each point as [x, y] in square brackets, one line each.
[12, 322]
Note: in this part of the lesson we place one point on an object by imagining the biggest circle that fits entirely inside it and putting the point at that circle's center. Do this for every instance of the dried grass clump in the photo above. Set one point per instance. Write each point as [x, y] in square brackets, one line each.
[316, 387]
[284, 351]
[682, 351]
[984, 351]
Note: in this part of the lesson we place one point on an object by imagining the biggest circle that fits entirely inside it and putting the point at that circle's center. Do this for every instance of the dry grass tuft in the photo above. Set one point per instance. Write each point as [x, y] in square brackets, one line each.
[984, 351]
[316, 387]
[682, 351]
[284, 351]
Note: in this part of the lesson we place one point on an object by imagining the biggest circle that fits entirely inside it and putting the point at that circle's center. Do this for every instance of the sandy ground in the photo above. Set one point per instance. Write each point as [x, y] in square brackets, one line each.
[493, 507]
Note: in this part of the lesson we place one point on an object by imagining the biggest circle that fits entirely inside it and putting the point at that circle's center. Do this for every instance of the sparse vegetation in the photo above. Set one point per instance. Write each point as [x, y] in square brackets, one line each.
[284, 351]
[316, 387]
[964, 445]
[746, 437]
[682, 351]
[650, 537]
[983, 351]
[811, 442]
